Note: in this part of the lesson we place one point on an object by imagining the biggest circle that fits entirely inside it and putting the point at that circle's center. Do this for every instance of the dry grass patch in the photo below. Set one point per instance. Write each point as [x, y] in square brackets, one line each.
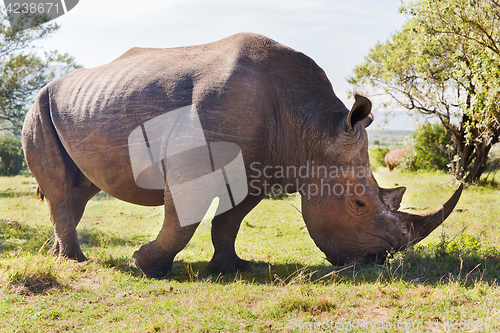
[31, 274]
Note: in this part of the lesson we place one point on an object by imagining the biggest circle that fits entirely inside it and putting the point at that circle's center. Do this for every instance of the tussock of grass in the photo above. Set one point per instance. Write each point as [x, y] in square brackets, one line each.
[121, 263]
[299, 302]
[466, 258]
[21, 235]
[31, 274]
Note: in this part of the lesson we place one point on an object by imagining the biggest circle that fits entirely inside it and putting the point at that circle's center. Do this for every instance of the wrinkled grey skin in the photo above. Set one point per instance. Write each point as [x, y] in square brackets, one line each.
[393, 158]
[275, 103]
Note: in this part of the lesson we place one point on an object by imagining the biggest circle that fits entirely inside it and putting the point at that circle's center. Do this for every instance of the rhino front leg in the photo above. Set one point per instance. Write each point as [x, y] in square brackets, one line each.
[155, 258]
[225, 228]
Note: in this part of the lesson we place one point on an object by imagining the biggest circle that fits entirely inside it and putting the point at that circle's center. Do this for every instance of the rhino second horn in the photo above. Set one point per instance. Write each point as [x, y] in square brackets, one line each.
[392, 196]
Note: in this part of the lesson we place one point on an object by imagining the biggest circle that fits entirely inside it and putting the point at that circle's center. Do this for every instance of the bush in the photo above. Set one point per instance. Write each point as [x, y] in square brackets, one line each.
[11, 152]
[429, 148]
[377, 157]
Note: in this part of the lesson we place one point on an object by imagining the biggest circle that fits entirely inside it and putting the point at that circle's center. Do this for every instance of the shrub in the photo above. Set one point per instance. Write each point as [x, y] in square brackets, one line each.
[11, 152]
[377, 157]
[429, 148]
[276, 194]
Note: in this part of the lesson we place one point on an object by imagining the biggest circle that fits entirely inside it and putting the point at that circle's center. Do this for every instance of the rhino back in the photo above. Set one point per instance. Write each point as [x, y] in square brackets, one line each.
[231, 83]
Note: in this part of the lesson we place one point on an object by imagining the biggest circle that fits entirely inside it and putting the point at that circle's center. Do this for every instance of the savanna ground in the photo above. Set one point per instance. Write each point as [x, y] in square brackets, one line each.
[446, 283]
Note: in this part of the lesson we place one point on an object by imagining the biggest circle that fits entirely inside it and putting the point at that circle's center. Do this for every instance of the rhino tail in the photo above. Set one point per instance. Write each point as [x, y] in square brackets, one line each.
[43, 150]
[39, 195]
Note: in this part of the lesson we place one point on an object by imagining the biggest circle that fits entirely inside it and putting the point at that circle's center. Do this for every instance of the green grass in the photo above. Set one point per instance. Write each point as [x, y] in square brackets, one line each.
[448, 279]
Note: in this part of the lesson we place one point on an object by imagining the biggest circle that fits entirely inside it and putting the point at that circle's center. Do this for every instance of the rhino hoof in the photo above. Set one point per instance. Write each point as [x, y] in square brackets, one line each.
[74, 254]
[229, 266]
[156, 269]
[78, 256]
[54, 250]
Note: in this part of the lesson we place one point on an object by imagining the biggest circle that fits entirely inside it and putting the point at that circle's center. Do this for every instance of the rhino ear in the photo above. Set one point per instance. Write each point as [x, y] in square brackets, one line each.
[360, 112]
[392, 196]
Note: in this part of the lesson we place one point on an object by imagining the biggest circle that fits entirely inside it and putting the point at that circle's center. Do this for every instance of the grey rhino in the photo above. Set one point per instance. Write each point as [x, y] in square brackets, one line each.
[275, 103]
[393, 158]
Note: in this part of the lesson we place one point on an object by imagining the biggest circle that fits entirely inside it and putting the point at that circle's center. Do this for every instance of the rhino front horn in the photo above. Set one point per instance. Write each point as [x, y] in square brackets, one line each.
[421, 225]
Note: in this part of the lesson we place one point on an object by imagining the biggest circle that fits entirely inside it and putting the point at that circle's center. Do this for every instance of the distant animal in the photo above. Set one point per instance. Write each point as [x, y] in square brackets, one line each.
[393, 158]
[273, 102]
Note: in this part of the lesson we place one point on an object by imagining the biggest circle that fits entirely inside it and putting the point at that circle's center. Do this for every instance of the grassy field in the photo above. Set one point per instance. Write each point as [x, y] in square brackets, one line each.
[446, 283]
[392, 139]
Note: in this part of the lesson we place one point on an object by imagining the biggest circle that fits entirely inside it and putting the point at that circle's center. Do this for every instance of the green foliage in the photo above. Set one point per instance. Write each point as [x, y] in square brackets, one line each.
[23, 71]
[276, 194]
[377, 157]
[464, 253]
[429, 148]
[11, 153]
[463, 258]
[466, 246]
[444, 63]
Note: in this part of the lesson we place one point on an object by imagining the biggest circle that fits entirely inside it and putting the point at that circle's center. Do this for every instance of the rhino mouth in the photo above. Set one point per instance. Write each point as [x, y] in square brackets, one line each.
[378, 258]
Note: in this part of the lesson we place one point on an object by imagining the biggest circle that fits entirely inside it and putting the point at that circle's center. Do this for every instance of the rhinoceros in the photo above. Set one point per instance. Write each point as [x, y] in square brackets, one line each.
[272, 102]
[394, 157]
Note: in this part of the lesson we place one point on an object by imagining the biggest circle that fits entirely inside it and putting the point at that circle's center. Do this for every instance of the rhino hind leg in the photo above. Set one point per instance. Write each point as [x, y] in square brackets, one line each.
[225, 228]
[82, 192]
[66, 206]
[66, 200]
[63, 185]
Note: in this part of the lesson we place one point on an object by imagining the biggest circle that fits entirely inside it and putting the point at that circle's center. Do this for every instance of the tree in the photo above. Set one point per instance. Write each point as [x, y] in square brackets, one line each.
[429, 148]
[444, 63]
[24, 70]
[11, 152]
[377, 156]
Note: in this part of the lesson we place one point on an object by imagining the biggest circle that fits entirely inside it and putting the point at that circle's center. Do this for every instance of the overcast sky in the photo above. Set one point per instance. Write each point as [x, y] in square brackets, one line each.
[337, 34]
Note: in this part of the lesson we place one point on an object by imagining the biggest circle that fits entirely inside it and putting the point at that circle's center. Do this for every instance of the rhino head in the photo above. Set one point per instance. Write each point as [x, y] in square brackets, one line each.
[350, 218]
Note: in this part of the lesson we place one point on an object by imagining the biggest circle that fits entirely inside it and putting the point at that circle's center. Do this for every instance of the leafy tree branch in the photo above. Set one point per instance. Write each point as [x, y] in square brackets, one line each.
[25, 69]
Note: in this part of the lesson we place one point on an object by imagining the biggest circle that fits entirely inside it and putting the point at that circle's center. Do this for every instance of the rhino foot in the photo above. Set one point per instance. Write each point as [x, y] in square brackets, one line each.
[228, 264]
[153, 261]
[75, 254]
[78, 256]
[54, 250]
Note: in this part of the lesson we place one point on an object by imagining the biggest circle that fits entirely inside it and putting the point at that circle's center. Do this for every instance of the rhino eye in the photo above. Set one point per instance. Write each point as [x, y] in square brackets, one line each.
[360, 203]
